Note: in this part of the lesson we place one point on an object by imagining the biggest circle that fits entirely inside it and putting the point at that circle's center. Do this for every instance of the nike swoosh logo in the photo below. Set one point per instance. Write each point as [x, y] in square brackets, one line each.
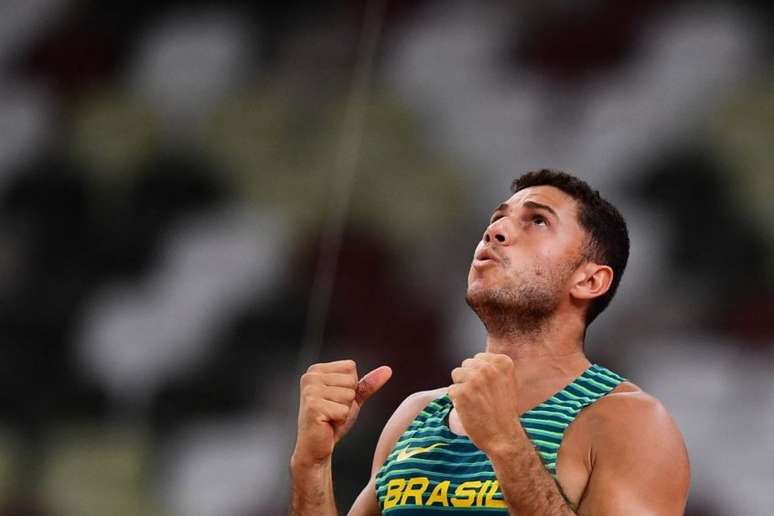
[405, 454]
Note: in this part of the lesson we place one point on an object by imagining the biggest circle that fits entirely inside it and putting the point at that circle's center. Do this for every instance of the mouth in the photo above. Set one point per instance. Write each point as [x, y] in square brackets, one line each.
[485, 257]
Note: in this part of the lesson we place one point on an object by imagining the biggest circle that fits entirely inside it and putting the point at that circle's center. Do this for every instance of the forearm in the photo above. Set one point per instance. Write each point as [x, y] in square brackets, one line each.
[312, 486]
[526, 485]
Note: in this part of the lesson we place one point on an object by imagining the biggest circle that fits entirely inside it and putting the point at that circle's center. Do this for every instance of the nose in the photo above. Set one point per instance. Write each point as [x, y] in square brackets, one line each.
[496, 232]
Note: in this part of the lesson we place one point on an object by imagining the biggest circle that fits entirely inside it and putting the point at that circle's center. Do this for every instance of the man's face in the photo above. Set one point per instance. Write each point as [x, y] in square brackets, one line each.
[522, 265]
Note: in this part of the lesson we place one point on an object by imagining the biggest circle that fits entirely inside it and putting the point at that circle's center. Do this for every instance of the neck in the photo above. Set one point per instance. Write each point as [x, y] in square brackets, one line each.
[544, 358]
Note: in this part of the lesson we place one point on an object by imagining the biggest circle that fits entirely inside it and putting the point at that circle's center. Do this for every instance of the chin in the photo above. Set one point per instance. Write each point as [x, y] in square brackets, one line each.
[478, 294]
[476, 282]
[476, 290]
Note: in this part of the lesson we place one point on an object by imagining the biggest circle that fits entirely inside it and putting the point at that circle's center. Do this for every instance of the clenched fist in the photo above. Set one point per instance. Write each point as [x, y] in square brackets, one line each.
[484, 394]
[331, 397]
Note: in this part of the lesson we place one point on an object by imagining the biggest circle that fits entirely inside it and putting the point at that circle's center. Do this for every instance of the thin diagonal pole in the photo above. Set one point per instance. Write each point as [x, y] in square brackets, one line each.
[342, 184]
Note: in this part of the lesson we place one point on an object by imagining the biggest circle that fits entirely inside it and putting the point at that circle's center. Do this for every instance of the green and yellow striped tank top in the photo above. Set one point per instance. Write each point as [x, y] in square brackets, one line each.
[432, 469]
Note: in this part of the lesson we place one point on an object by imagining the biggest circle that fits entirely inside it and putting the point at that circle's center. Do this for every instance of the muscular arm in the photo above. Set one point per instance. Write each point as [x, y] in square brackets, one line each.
[637, 462]
[526, 485]
[638, 458]
[638, 465]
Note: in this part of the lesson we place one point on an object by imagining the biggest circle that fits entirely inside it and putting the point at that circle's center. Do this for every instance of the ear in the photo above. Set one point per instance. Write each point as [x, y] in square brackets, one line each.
[591, 280]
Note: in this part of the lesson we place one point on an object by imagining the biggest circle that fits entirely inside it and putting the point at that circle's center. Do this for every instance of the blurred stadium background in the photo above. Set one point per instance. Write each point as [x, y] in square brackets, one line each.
[170, 172]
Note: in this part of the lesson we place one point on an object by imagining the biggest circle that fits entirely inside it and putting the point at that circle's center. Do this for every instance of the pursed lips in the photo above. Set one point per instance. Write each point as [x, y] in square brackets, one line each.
[485, 256]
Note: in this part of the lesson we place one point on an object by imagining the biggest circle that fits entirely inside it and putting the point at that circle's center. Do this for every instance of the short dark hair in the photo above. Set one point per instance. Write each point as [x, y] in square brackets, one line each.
[608, 237]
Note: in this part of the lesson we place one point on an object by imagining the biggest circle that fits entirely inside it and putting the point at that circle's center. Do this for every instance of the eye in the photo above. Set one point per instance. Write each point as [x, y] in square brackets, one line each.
[539, 220]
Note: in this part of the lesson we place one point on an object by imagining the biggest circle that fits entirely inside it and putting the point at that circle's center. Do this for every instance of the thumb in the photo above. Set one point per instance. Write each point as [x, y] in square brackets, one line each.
[372, 382]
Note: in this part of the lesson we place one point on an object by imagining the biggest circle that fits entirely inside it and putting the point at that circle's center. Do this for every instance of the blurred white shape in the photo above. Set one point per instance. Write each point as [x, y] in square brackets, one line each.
[188, 62]
[745, 433]
[691, 60]
[507, 122]
[25, 122]
[135, 336]
[225, 468]
[720, 394]
[22, 20]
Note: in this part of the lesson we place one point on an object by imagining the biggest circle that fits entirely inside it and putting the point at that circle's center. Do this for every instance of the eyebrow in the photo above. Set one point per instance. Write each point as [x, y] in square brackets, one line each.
[538, 206]
[528, 204]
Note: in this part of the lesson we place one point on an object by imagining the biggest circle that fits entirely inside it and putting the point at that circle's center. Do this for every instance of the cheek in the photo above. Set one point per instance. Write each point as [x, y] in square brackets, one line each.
[543, 264]
[550, 259]
[474, 276]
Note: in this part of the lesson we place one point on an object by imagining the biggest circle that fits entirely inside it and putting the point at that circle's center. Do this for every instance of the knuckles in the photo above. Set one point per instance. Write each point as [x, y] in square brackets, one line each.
[314, 377]
[349, 395]
[476, 372]
[503, 361]
[334, 411]
[487, 360]
[483, 370]
[315, 391]
[497, 359]
[309, 392]
[490, 370]
[309, 378]
[343, 366]
[454, 391]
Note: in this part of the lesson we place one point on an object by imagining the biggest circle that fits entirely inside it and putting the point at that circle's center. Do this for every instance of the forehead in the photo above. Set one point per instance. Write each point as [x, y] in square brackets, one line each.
[563, 204]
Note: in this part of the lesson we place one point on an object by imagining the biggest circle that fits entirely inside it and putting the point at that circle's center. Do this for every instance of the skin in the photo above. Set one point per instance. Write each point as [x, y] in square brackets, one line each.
[622, 455]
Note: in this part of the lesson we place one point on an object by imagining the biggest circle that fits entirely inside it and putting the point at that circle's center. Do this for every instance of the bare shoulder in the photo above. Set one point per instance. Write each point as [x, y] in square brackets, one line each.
[623, 424]
[399, 421]
[628, 406]
[630, 415]
[639, 462]
[411, 407]
[419, 400]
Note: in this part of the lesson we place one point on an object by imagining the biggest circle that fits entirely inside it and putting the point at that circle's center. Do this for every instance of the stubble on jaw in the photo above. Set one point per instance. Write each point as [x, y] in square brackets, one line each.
[522, 307]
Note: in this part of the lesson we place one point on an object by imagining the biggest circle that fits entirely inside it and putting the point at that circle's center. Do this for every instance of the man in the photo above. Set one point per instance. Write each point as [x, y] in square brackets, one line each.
[530, 426]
